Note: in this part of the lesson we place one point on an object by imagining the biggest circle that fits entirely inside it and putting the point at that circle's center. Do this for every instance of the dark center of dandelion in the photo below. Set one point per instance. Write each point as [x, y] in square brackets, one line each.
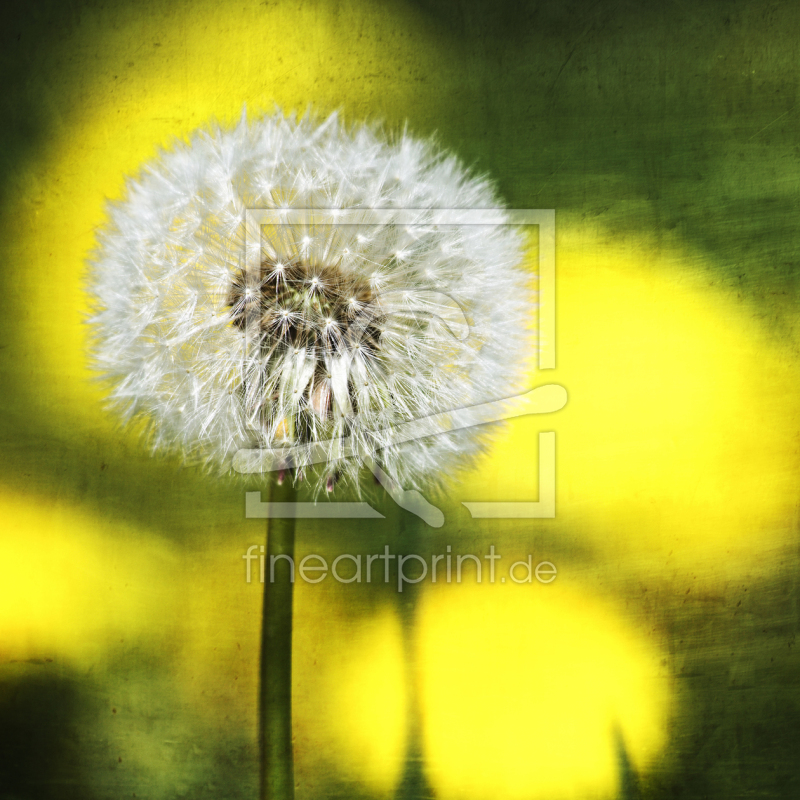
[319, 310]
[297, 304]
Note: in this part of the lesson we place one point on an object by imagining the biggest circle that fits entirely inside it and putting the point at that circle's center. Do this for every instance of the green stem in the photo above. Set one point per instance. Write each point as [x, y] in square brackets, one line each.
[275, 698]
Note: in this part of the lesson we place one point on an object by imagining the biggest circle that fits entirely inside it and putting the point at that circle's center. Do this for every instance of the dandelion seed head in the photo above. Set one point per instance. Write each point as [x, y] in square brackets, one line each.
[336, 334]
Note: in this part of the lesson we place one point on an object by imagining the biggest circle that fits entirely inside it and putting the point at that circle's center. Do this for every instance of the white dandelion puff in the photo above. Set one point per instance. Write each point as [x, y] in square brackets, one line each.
[341, 332]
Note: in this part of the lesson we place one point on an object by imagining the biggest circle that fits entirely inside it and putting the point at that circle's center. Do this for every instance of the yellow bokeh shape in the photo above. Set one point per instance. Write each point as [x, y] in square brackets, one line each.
[70, 587]
[677, 448]
[526, 689]
[350, 694]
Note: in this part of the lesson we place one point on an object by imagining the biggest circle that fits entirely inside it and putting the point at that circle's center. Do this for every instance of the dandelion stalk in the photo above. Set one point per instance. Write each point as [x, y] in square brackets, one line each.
[275, 683]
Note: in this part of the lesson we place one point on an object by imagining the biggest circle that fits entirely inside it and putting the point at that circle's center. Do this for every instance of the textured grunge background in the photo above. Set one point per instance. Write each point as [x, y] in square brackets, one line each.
[662, 660]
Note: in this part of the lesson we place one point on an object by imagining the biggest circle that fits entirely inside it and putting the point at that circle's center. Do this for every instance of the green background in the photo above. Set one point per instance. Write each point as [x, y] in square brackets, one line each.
[679, 120]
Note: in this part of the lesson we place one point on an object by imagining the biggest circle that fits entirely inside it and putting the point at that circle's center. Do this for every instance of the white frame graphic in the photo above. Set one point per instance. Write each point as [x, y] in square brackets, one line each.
[552, 399]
